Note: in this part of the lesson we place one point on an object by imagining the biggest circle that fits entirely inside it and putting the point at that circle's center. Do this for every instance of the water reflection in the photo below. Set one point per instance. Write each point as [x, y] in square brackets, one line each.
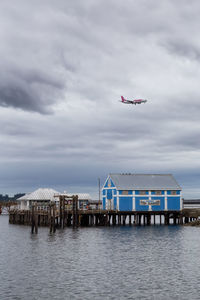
[156, 262]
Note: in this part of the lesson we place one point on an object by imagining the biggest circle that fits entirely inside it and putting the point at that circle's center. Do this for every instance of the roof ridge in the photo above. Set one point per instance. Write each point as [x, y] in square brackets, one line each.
[148, 174]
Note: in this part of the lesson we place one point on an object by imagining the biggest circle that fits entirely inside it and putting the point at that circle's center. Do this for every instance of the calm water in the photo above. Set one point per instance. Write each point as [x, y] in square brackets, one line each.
[99, 263]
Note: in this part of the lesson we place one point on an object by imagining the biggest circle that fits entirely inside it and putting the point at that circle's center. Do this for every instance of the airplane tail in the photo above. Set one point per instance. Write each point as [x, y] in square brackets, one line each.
[122, 98]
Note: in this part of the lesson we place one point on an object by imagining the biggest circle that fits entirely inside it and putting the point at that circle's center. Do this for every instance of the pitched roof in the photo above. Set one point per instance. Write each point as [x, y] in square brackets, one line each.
[40, 194]
[81, 196]
[144, 181]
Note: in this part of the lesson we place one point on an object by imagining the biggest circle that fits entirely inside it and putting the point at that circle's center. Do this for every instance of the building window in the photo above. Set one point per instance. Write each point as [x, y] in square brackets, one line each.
[143, 192]
[157, 192]
[173, 192]
[124, 192]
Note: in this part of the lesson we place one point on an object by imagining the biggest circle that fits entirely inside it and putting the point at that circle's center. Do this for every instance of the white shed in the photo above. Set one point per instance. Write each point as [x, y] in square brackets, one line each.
[41, 196]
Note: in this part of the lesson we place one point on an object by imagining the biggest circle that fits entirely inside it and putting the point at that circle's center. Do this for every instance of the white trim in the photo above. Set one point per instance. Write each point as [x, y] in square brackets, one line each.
[181, 201]
[165, 203]
[126, 196]
[133, 204]
[159, 196]
[117, 203]
[105, 182]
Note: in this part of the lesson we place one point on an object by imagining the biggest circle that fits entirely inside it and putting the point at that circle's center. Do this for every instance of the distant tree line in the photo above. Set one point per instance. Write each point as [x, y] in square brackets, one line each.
[7, 198]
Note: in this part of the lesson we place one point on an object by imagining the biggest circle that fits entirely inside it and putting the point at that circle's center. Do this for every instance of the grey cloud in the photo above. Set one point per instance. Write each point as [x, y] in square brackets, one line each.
[31, 91]
[75, 59]
[183, 48]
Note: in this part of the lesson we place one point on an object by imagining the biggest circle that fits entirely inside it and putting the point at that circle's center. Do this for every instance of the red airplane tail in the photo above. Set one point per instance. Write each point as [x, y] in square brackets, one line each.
[122, 98]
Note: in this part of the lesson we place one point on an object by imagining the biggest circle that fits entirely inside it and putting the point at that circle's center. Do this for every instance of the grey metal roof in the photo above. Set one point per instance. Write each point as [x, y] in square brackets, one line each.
[145, 182]
[81, 196]
[40, 194]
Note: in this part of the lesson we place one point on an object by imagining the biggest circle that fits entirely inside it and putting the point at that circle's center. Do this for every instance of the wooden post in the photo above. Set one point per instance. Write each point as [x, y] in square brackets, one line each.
[96, 220]
[124, 220]
[144, 220]
[50, 218]
[36, 219]
[54, 225]
[114, 219]
[148, 219]
[130, 220]
[174, 219]
[119, 219]
[109, 218]
[139, 219]
[32, 219]
[63, 212]
[75, 211]
[136, 219]
[60, 207]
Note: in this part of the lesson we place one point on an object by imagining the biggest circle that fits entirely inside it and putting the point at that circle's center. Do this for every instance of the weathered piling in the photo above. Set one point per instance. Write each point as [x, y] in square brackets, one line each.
[75, 210]
[52, 218]
[34, 219]
[69, 214]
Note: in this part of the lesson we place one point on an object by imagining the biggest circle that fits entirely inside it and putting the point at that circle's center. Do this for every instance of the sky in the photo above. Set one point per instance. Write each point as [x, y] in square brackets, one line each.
[65, 64]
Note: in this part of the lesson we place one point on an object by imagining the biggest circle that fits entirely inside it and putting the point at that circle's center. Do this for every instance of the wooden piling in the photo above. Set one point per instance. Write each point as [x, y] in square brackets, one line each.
[34, 219]
[130, 220]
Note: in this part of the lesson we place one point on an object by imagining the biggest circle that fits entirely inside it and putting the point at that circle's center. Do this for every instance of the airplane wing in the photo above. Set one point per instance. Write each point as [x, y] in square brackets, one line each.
[130, 101]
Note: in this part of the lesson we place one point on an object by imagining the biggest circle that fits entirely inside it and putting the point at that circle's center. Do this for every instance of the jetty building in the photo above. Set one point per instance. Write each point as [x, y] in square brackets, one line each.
[141, 192]
[43, 196]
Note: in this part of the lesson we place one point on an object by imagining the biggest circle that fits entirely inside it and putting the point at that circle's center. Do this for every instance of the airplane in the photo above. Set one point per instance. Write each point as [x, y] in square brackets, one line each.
[135, 101]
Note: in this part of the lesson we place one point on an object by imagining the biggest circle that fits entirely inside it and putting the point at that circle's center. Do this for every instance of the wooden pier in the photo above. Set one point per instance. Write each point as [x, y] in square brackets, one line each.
[68, 214]
[54, 219]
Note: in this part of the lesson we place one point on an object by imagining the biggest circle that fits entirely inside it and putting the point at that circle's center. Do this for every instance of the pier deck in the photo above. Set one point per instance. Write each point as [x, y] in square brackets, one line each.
[68, 214]
[54, 219]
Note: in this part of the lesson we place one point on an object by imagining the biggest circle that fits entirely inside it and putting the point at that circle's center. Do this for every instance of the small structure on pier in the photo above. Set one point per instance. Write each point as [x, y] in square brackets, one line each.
[83, 199]
[141, 192]
[42, 197]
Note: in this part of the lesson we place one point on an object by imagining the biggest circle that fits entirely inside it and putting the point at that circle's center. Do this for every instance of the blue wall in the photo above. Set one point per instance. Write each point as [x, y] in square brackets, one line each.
[173, 203]
[141, 207]
[115, 203]
[125, 203]
[109, 194]
[104, 203]
[158, 207]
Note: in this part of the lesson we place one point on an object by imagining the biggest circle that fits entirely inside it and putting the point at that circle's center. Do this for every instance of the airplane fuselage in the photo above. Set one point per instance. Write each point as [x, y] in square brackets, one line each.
[135, 101]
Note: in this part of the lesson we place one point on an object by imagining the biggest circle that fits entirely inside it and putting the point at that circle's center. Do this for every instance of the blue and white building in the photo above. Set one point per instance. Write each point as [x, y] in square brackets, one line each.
[141, 192]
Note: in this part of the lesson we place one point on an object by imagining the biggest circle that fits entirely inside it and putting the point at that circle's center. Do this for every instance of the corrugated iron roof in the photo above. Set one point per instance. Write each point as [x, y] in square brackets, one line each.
[145, 182]
[40, 194]
[81, 196]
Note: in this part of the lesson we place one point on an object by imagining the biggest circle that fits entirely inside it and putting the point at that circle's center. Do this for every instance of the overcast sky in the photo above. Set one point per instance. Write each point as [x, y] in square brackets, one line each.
[65, 64]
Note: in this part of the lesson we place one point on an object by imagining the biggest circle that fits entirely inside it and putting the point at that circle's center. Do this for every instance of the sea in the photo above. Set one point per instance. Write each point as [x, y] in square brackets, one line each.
[122, 262]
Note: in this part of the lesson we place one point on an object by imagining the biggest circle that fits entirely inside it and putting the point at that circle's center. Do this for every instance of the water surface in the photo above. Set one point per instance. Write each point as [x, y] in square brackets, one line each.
[155, 262]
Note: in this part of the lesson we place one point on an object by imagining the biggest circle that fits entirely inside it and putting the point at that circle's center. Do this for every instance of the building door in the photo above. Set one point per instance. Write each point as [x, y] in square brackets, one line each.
[109, 198]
